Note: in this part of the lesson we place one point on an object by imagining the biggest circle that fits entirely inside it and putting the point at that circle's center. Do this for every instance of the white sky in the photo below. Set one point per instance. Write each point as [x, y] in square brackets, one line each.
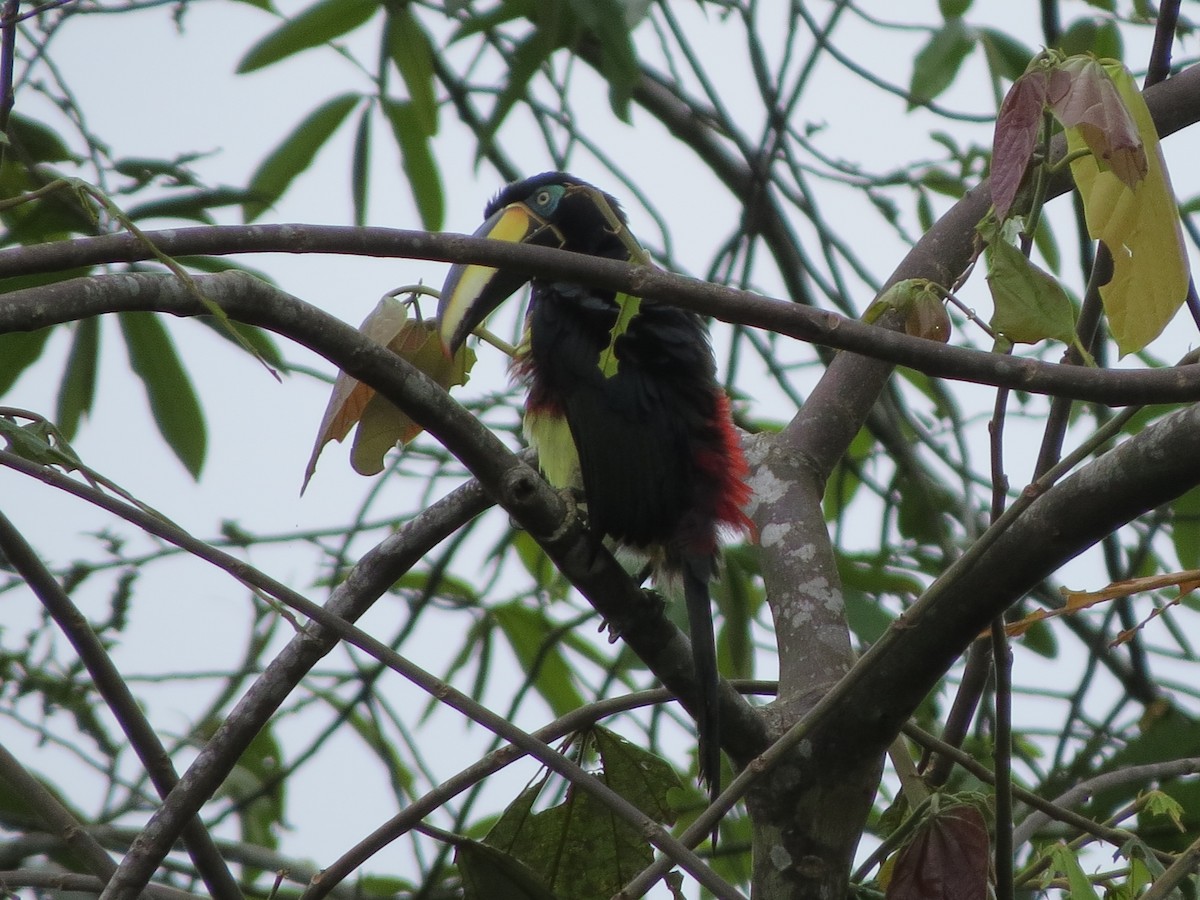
[153, 92]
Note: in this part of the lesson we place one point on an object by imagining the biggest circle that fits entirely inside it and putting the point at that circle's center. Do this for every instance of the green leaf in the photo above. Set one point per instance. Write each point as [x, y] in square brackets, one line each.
[1007, 57]
[874, 577]
[261, 810]
[360, 169]
[295, 153]
[524, 63]
[385, 887]
[1047, 245]
[194, 205]
[925, 216]
[579, 849]
[37, 141]
[319, 24]
[628, 309]
[638, 775]
[491, 874]
[1030, 304]
[938, 61]
[1158, 803]
[419, 163]
[1136, 217]
[867, 619]
[531, 636]
[1065, 862]
[943, 182]
[18, 351]
[634, 11]
[1165, 733]
[1041, 640]
[739, 596]
[37, 442]
[1096, 37]
[953, 9]
[1185, 531]
[411, 50]
[172, 399]
[920, 302]
[840, 490]
[78, 388]
[921, 514]
[260, 341]
[1135, 883]
[843, 484]
[489, 20]
[618, 59]
[546, 575]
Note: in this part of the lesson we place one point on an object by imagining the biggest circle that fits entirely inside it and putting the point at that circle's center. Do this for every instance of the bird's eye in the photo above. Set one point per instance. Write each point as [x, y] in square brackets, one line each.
[545, 199]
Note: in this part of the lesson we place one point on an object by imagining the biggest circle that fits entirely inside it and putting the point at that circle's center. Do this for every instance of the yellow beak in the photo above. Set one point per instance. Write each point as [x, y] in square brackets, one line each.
[472, 292]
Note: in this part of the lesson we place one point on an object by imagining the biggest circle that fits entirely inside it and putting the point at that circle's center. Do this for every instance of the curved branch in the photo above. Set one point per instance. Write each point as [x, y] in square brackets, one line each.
[1108, 387]
[120, 701]
[1147, 470]
[515, 486]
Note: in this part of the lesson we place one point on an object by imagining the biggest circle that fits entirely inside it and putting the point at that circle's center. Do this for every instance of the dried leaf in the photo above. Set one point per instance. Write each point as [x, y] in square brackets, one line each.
[1076, 601]
[381, 426]
[1187, 581]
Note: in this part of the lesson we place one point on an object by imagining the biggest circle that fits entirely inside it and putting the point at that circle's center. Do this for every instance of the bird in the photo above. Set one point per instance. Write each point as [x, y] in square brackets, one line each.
[622, 404]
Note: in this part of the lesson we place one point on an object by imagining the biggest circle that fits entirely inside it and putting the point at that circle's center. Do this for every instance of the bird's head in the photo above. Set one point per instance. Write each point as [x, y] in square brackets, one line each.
[553, 209]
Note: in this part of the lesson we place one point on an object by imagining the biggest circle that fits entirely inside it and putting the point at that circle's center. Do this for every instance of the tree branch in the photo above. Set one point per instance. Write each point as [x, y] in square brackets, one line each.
[1149, 469]
[1112, 388]
[517, 487]
[120, 701]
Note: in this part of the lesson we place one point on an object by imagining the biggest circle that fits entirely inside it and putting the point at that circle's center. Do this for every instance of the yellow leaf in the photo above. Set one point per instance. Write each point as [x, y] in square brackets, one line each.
[1139, 225]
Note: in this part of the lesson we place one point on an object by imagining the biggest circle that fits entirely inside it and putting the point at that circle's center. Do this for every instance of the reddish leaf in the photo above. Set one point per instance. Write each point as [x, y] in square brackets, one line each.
[1016, 135]
[947, 859]
[1083, 96]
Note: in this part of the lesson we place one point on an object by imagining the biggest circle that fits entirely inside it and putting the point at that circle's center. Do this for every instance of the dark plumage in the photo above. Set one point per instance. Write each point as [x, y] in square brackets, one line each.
[652, 445]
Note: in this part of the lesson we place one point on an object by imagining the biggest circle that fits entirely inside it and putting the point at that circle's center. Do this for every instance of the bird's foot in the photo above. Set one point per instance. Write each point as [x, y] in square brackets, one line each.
[651, 607]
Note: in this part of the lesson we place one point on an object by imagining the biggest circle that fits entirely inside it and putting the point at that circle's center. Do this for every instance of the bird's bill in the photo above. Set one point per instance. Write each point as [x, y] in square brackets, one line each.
[472, 291]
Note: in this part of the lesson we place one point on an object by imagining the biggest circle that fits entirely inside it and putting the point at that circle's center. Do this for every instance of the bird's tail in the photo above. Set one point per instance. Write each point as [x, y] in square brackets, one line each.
[697, 574]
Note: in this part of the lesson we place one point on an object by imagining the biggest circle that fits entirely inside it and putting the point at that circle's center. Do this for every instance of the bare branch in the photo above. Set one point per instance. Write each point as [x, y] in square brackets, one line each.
[1112, 388]
[119, 699]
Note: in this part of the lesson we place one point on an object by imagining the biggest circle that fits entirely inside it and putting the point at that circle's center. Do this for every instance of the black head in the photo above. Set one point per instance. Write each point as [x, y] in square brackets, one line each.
[552, 209]
[581, 213]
